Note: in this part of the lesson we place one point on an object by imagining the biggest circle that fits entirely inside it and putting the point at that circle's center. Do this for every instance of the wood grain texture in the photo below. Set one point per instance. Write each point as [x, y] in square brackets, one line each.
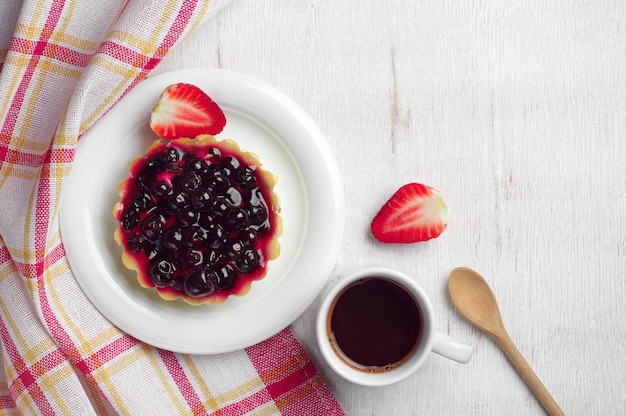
[516, 111]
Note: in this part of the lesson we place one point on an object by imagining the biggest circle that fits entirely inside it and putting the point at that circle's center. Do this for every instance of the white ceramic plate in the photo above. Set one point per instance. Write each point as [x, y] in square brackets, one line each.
[289, 144]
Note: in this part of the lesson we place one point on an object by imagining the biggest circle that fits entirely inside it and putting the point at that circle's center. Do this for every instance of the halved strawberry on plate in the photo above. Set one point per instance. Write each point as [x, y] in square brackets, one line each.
[415, 212]
[184, 110]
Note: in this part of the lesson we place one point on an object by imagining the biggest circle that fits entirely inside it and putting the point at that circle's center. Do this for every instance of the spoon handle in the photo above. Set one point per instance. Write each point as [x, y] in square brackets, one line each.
[529, 376]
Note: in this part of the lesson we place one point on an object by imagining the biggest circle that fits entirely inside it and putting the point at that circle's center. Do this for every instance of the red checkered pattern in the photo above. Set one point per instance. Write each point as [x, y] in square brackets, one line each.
[63, 65]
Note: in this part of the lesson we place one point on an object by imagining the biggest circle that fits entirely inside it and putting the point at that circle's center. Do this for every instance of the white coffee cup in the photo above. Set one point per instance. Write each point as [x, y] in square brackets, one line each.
[429, 339]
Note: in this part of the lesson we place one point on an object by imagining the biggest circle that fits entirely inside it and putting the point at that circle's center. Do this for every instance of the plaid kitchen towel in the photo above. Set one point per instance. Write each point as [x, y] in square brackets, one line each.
[63, 65]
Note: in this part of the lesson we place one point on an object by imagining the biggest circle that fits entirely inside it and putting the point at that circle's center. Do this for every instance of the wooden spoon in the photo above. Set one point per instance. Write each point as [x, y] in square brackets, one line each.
[474, 299]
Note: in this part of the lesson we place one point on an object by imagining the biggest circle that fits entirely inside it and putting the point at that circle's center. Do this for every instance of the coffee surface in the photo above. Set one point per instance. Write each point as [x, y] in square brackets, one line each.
[374, 324]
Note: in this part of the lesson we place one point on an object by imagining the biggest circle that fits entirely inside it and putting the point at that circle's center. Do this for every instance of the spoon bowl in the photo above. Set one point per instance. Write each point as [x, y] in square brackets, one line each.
[474, 299]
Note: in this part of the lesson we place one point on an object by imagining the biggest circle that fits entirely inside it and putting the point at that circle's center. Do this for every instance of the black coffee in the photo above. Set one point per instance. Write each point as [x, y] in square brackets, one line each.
[374, 324]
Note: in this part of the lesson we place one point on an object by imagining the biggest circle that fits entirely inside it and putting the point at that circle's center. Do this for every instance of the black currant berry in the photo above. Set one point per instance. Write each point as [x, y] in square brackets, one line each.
[195, 165]
[177, 201]
[199, 283]
[201, 199]
[190, 183]
[172, 240]
[143, 182]
[152, 226]
[161, 188]
[194, 236]
[187, 217]
[162, 271]
[236, 219]
[141, 202]
[153, 165]
[244, 177]
[249, 238]
[169, 156]
[225, 277]
[190, 259]
[130, 219]
[218, 180]
[248, 261]
[233, 249]
[137, 242]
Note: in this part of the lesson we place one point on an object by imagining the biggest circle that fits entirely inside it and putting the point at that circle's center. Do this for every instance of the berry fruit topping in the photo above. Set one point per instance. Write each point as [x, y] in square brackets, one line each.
[198, 219]
[414, 213]
[184, 110]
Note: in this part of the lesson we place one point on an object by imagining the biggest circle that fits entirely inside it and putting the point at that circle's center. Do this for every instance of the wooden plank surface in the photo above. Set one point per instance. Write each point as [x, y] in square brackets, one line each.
[516, 111]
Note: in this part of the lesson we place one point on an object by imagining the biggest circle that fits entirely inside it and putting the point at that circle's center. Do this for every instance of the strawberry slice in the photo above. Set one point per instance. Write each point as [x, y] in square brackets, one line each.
[184, 110]
[414, 213]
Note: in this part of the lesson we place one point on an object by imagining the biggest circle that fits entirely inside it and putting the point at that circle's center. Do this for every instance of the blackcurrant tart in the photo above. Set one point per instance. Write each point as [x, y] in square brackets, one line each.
[198, 219]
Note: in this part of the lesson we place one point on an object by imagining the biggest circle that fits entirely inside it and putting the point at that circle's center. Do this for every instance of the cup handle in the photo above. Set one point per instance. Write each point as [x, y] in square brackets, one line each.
[452, 348]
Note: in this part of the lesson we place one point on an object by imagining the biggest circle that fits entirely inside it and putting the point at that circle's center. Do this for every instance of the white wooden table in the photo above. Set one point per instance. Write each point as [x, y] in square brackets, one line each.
[516, 111]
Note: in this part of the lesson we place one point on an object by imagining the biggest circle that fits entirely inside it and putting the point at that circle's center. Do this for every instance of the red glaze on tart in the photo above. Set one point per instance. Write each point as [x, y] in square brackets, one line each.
[198, 219]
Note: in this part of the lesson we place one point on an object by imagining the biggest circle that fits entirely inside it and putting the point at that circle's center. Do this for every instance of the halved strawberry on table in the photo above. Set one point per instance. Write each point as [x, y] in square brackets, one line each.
[415, 212]
[184, 110]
